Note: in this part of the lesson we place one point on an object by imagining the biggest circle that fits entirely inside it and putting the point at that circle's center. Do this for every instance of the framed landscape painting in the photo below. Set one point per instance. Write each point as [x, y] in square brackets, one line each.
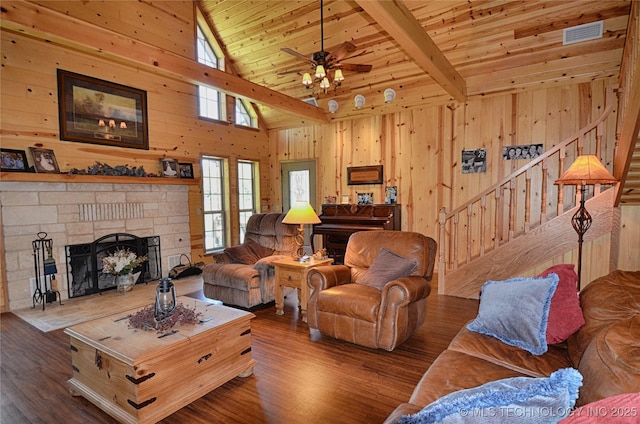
[101, 112]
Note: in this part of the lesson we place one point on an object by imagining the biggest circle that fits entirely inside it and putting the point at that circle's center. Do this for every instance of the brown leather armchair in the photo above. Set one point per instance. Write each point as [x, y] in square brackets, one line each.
[341, 307]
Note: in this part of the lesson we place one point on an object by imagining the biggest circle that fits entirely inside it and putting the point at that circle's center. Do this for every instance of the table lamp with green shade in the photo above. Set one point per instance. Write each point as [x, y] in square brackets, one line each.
[301, 213]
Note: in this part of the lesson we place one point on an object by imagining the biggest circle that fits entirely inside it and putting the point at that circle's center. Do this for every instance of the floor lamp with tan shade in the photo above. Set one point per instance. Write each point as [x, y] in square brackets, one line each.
[585, 170]
[301, 213]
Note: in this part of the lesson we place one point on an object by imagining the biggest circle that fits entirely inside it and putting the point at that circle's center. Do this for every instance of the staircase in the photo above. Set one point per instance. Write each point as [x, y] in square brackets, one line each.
[525, 219]
[522, 220]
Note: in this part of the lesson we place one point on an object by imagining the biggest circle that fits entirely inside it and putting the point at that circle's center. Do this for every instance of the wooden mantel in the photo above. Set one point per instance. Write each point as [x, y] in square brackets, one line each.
[96, 179]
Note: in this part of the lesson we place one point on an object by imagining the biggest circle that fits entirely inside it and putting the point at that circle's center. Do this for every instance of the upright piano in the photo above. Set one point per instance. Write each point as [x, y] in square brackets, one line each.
[339, 221]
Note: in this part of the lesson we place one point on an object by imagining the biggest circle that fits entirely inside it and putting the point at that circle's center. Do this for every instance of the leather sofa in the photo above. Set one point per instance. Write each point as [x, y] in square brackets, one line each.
[345, 304]
[243, 275]
[606, 351]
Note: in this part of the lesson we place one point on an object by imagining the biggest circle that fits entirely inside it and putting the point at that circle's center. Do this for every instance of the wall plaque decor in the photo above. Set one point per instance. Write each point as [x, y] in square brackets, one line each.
[101, 112]
[364, 175]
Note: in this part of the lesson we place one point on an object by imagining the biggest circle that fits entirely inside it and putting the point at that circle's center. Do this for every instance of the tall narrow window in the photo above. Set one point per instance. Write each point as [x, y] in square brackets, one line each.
[213, 200]
[210, 99]
[212, 103]
[247, 193]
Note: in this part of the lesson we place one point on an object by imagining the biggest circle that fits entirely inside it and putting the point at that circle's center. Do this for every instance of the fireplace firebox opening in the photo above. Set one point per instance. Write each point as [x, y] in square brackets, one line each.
[84, 262]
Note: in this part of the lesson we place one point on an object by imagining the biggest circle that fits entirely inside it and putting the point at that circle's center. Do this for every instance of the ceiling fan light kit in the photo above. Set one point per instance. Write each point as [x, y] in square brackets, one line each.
[323, 61]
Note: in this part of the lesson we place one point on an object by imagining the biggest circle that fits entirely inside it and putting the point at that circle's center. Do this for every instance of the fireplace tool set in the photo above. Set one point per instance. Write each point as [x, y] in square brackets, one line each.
[46, 270]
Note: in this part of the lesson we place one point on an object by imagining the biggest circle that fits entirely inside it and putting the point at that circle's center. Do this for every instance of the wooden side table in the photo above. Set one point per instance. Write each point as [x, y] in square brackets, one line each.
[291, 273]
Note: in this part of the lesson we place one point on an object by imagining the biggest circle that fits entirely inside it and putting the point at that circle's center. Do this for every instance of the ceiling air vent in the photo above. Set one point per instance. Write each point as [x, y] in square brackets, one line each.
[584, 32]
[311, 100]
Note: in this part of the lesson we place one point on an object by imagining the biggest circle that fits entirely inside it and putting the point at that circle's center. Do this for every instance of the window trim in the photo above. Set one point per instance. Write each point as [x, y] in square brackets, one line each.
[224, 211]
[255, 195]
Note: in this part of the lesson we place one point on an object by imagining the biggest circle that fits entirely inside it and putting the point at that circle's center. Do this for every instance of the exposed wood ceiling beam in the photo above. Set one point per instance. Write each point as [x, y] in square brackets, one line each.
[398, 21]
[52, 26]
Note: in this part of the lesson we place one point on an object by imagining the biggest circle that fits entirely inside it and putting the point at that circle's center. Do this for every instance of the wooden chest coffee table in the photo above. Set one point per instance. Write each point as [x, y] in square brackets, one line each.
[138, 377]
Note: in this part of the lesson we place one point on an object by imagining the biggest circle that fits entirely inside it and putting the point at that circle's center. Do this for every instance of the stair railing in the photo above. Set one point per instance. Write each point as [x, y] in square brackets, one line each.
[492, 218]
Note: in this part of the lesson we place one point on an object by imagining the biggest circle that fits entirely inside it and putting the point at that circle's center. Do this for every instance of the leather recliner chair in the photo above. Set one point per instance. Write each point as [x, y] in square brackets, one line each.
[341, 307]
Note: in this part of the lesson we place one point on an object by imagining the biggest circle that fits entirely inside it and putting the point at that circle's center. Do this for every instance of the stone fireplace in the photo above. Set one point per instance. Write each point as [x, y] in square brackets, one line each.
[76, 213]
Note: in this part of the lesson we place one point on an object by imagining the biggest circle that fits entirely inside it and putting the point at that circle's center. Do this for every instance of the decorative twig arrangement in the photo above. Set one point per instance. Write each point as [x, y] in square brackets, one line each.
[145, 320]
[118, 170]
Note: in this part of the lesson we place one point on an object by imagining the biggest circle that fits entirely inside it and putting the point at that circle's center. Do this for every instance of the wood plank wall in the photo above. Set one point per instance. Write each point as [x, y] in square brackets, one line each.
[30, 103]
[420, 151]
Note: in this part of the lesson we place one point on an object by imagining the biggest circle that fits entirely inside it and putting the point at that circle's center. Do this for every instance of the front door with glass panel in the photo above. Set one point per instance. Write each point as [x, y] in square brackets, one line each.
[299, 183]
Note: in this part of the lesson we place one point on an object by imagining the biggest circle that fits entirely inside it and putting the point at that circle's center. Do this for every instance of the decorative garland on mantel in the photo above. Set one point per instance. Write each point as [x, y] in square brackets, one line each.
[118, 170]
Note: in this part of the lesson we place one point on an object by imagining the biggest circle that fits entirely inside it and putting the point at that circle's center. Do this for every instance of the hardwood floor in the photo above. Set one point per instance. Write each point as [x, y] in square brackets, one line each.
[297, 379]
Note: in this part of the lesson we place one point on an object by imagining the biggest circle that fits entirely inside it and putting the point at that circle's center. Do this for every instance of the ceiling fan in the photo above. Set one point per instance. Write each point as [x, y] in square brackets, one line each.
[323, 61]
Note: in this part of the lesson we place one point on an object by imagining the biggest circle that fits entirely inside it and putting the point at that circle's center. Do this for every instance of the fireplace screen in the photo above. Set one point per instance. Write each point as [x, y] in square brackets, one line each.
[84, 262]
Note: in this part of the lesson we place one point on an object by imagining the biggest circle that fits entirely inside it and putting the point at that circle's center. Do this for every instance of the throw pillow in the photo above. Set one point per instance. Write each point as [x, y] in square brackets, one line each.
[619, 409]
[516, 311]
[259, 250]
[387, 266]
[248, 253]
[565, 314]
[511, 400]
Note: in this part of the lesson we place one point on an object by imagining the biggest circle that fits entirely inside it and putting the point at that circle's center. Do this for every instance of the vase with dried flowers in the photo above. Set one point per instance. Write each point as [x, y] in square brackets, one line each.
[122, 263]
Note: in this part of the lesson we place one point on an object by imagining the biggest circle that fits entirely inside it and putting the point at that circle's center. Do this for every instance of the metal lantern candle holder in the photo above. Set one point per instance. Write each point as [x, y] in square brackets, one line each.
[165, 299]
[45, 271]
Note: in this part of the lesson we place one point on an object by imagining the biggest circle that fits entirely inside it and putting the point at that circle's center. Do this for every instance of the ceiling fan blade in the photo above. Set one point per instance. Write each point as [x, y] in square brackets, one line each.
[293, 71]
[355, 55]
[340, 51]
[298, 55]
[354, 67]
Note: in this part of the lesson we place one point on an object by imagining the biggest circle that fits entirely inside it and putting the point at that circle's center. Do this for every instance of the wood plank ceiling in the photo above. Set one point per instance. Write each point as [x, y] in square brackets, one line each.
[494, 46]
[429, 52]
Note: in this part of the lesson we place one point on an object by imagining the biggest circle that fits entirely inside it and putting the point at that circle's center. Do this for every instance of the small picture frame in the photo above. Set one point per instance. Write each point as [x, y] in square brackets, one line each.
[345, 199]
[365, 198]
[391, 195]
[12, 160]
[474, 161]
[169, 168]
[44, 160]
[186, 170]
[525, 151]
